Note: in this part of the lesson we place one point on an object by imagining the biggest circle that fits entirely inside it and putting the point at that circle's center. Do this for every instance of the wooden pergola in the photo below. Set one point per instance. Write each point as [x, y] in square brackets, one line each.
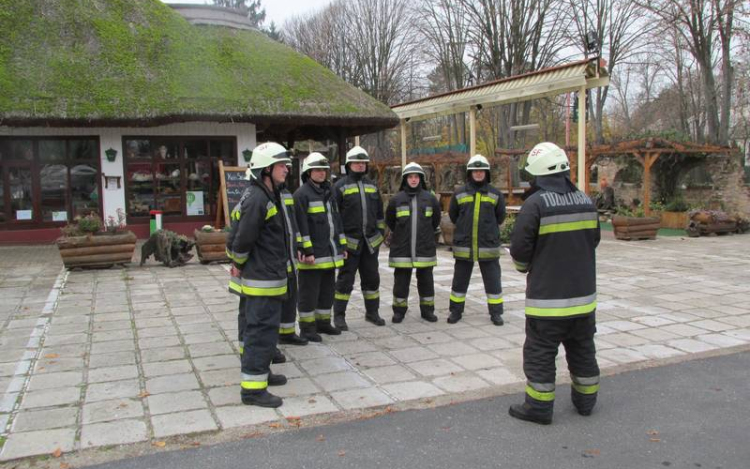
[646, 151]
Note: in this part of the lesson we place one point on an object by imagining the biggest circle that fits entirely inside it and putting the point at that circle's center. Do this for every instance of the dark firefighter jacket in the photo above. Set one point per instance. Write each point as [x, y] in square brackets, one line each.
[554, 240]
[477, 210]
[413, 215]
[320, 226]
[263, 241]
[361, 211]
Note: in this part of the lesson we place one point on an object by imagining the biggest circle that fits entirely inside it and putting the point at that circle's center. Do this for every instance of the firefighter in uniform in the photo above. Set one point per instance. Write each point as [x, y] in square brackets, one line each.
[554, 241]
[323, 244]
[262, 247]
[361, 210]
[413, 215]
[477, 209]
[236, 214]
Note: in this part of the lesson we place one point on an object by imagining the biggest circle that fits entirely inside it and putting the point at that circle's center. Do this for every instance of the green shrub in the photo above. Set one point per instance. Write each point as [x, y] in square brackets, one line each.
[90, 224]
[677, 204]
[507, 228]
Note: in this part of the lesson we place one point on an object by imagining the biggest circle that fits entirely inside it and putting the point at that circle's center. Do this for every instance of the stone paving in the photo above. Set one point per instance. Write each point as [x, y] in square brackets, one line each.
[108, 357]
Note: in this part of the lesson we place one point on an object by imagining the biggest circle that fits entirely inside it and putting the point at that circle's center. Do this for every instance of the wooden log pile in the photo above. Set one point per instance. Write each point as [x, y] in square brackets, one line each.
[634, 228]
[97, 251]
[211, 246]
[707, 222]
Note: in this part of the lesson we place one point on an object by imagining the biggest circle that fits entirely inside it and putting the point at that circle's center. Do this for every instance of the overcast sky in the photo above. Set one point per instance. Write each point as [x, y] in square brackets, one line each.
[277, 11]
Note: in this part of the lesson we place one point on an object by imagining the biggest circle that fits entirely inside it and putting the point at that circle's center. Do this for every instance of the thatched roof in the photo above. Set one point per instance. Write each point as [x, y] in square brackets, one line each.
[139, 63]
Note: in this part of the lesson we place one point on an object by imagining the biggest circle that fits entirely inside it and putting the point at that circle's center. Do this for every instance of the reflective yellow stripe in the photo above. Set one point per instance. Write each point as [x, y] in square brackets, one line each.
[594, 388]
[289, 201]
[428, 212]
[475, 228]
[521, 266]
[254, 384]
[424, 264]
[464, 200]
[570, 226]
[461, 255]
[236, 215]
[540, 396]
[351, 190]
[271, 212]
[494, 301]
[259, 291]
[342, 296]
[307, 244]
[324, 265]
[342, 241]
[404, 213]
[371, 296]
[287, 330]
[458, 299]
[316, 210]
[488, 199]
[400, 265]
[561, 312]
[370, 190]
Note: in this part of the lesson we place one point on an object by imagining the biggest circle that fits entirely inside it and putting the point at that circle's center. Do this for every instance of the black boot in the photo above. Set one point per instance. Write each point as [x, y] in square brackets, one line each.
[530, 414]
[278, 357]
[429, 316]
[454, 317]
[292, 339]
[497, 319]
[397, 317]
[261, 398]
[307, 330]
[325, 327]
[339, 320]
[276, 380]
[584, 403]
[374, 318]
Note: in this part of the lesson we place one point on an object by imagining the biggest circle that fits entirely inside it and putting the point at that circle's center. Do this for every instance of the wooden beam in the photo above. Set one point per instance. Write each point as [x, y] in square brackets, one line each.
[581, 164]
[472, 131]
[403, 143]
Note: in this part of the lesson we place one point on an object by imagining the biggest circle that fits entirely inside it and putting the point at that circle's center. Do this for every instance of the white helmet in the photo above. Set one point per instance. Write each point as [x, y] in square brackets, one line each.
[546, 158]
[265, 155]
[357, 155]
[314, 160]
[412, 168]
[478, 163]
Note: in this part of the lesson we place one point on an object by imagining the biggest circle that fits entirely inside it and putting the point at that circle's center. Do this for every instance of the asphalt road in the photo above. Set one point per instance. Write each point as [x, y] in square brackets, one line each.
[694, 414]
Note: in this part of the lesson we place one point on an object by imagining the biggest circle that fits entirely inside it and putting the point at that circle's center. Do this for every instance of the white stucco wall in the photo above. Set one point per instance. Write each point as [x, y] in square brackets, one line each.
[111, 137]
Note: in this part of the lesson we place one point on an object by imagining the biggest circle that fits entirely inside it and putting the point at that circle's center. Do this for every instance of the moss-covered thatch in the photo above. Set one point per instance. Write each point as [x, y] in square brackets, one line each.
[126, 62]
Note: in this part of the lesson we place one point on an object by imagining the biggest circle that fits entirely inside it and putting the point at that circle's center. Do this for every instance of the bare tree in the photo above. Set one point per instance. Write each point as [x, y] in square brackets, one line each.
[620, 28]
[702, 23]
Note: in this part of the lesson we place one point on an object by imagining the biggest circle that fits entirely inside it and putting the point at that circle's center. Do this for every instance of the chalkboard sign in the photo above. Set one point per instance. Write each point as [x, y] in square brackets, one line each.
[233, 184]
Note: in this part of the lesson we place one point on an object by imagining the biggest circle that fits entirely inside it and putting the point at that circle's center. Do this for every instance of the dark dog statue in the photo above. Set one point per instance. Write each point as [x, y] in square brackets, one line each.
[167, 247]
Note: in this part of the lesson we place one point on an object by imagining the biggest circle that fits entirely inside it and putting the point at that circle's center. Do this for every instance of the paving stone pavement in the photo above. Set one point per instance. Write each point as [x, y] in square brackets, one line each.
[107, 357]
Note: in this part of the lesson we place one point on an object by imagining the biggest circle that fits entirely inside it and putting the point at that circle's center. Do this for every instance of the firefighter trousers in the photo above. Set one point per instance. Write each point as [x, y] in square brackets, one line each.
[261, 334]
[366, 263]
[288, 312]
[543, 339]
[316, 295]
[493, 288]
[425, 288]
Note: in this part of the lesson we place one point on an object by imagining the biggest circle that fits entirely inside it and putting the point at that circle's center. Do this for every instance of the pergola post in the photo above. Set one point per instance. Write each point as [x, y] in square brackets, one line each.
[472, 131]
[403, 143]
[581, 165]
[648, 161]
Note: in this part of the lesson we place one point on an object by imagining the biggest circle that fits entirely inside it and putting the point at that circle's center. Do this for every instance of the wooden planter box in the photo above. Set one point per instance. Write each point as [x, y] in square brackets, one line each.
[631, 228]
[674, 220]
[703, 223]
[97, 251]
[211, 247]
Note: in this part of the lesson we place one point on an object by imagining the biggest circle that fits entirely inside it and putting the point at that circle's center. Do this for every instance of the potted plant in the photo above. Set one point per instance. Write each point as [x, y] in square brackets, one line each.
[675, 214]
[87, 242]
[631, 224]
[211, 244]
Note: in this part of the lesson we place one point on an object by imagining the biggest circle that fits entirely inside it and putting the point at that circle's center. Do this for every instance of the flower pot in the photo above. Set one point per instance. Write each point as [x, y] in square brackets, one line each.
[211, 246]
[97, 251]
[674, 220]
[633, 228]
